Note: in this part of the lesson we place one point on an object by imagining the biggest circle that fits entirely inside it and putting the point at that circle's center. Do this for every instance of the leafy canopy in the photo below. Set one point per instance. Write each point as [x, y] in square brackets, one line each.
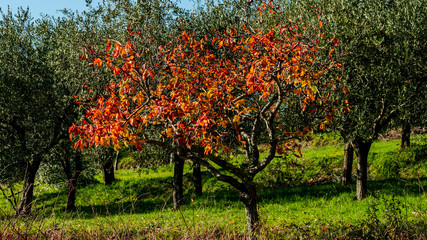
[210, 92]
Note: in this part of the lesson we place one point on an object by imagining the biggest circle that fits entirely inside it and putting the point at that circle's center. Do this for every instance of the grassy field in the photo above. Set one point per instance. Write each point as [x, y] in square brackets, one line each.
[300, 198]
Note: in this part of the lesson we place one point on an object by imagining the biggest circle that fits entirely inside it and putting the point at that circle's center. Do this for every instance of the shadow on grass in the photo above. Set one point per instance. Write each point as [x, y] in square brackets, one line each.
[394, 187]
[149, 195]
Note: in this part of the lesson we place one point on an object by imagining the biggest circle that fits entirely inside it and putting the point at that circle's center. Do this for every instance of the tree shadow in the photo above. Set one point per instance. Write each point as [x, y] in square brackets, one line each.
[149, 195]
[393, 187]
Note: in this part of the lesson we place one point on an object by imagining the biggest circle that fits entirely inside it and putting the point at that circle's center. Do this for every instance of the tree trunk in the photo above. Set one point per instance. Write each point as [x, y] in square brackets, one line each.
[197, 179]
[28, 188]
[178, 172]
[362, 149]
[108, 171]
[406, 135]
[348, 164]
[72, 185]
[249, 199]
[116, 161]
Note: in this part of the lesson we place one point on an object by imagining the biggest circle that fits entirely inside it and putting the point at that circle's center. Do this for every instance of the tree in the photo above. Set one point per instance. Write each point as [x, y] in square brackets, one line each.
[31, 114]
[107, 164]
[383, 65]
[63, 164]
[210, 15]
[198, 98]
[197, 179]
[104, 157]
[348, 164]
[154, 18]
[410, 34]
[40, 74]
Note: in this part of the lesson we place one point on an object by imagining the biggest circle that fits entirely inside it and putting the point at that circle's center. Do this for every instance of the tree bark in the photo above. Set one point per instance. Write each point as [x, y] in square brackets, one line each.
[406, 135]
[178, 172]
[108, 171]
[116, 161]
[72, 185]
[25, 205]
[249, 199]
[348, 164]
[197, 179]
[362, 149]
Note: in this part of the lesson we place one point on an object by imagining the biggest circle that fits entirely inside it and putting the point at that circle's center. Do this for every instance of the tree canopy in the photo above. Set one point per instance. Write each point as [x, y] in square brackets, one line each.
[207, 95]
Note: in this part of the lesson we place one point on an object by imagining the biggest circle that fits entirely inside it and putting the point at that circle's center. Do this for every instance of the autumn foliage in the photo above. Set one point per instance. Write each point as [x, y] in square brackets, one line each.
[208, 92]
[201, 98]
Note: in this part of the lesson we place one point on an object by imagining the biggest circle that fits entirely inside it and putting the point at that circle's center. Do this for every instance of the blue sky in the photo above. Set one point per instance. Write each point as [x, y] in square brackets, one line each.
[50, 6]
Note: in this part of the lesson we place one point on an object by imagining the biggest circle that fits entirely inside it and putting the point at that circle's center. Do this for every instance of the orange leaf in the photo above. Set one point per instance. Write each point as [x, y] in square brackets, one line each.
[97, 62]
[345, 90]
[151, 73]
[169, 132]
[220, 44]
[236, 118]
[297, 91]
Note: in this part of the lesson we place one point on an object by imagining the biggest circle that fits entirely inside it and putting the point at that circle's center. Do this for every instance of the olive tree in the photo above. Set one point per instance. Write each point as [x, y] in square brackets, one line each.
[384, 71]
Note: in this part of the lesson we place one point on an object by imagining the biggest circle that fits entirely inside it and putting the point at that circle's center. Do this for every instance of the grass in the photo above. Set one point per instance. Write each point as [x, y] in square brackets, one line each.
[139, 204]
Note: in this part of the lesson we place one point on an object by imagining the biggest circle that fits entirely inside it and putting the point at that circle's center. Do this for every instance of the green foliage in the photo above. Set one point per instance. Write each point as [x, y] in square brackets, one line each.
[383, 49]
[324, 138]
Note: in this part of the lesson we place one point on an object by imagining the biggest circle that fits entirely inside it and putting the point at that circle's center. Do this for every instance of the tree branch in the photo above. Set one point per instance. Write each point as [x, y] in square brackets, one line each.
[221, 177]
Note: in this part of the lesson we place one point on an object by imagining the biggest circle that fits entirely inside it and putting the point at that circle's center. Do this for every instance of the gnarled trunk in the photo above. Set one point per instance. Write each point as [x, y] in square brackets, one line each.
[25, 205]
[348, 164]
[178, 172]
[249, 199]
[72, 185]
[197, 179]
[406, 135]
[362, 149]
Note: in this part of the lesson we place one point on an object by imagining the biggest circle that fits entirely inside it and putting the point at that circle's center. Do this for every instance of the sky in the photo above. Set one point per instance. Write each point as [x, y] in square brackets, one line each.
[50, 7]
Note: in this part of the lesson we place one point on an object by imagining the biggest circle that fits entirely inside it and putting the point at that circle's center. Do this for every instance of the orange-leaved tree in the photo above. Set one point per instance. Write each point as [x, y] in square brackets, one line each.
[203, 98]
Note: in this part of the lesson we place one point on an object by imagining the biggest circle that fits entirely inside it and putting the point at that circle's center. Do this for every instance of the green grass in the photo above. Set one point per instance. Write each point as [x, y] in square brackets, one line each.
[139, 203]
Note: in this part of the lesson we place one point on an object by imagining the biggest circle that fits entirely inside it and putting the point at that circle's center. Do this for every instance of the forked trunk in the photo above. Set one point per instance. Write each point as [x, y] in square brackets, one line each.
[406, 135]
[178, 172]
[348, 164]
[249, 199]
[362, 149]
[197, 179]
[72, 185]
[25, 205]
